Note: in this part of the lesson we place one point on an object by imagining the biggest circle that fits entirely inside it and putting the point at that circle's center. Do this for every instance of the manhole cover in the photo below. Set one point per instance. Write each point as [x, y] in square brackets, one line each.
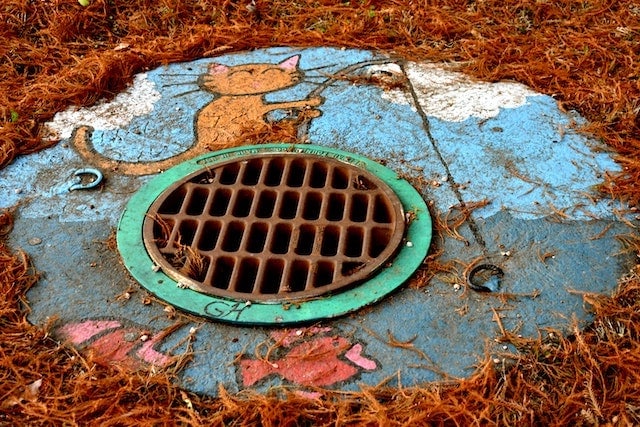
[273, 227]
[271, 230]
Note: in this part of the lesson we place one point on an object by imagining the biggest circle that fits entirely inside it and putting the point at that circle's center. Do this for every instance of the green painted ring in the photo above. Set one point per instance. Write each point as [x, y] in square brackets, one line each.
[143, 269]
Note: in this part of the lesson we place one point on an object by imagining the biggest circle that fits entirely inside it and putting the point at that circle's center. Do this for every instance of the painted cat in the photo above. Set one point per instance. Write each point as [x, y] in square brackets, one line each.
[239, 105]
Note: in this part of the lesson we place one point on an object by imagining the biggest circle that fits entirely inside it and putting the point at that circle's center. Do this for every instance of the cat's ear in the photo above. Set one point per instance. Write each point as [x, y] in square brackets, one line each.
[218, 69]
[290, 64]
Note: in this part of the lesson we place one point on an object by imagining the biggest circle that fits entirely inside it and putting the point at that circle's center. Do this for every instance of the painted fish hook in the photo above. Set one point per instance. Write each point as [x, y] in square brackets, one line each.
[79, 185]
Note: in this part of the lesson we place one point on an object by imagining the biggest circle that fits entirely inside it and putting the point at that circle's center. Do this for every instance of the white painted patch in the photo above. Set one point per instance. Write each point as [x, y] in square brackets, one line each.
[391, 67]
[454, 97]
[137, 100]
[389, 72]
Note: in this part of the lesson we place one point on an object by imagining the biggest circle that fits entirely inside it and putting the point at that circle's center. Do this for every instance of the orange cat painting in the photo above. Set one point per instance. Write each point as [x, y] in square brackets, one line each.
[238, 105]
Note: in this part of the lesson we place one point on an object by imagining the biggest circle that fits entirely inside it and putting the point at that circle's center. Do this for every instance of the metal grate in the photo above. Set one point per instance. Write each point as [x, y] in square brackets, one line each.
[275, 227]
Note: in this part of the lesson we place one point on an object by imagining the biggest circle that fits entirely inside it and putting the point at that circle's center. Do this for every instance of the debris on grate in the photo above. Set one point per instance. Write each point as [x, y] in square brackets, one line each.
[274, 227]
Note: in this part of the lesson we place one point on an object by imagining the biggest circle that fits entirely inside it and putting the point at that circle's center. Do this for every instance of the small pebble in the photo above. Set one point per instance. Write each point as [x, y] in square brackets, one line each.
[409, 244]
[34, 241]
[496, 360]
[456, 287]
[144, 337]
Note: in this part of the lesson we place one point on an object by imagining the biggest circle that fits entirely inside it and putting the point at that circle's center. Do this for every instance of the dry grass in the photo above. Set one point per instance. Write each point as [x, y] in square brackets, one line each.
[56, 53]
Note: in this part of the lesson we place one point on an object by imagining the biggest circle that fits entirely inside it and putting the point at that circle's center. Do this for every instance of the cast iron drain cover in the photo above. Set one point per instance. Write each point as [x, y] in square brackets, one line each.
[274, 233]
[274, 227]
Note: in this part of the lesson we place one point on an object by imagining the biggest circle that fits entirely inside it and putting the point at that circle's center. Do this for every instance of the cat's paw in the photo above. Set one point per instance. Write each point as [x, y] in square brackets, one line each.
[311, 113]
[314, 101]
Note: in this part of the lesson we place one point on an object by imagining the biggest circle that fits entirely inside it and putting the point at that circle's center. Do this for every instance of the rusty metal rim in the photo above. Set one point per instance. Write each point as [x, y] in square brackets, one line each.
[142, 267]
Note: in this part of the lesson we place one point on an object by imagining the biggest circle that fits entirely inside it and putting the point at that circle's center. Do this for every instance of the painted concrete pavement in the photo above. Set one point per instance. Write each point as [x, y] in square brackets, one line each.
[498, 146]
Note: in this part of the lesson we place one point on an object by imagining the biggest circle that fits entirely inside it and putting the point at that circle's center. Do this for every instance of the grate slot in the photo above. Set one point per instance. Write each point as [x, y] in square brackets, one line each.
[275, 169]
[251, 172]
[222, 273]
[296, 173]
[271, 276]
[233, 234]
[257, 237]
[335, 207]
[288, 206]
[379, 240]
[330, 241]
[354, 241]
[349, 268]
[196, 199]
[359, 207]
[312, 206]
[324, 273]
[361, 182]
[298, 276]
[206, 177]
[382, 212]
[220, 202]
[242, 203]
[275, 227]
[318, 177]
[186, 232]
[339, 179]
[229, 174]
[173, 203]
[266, 204]
[247, 274]
[207, 237]
[305, 240]
[281, 238]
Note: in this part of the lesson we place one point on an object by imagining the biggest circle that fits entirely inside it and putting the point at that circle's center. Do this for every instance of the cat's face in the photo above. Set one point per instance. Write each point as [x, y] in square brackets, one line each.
[251, 79]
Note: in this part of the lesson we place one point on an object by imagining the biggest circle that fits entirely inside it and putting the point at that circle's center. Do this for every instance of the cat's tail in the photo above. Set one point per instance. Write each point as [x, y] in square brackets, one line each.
[81, 140]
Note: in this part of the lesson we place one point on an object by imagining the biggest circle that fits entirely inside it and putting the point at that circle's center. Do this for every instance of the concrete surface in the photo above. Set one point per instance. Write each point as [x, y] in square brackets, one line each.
[458, 141]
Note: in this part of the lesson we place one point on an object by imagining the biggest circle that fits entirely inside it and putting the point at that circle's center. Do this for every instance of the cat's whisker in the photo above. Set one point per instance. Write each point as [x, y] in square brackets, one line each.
[327, 76]
[179, 84]
[320, 67]
[325, 84]
[187, 93]
[183, 74]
